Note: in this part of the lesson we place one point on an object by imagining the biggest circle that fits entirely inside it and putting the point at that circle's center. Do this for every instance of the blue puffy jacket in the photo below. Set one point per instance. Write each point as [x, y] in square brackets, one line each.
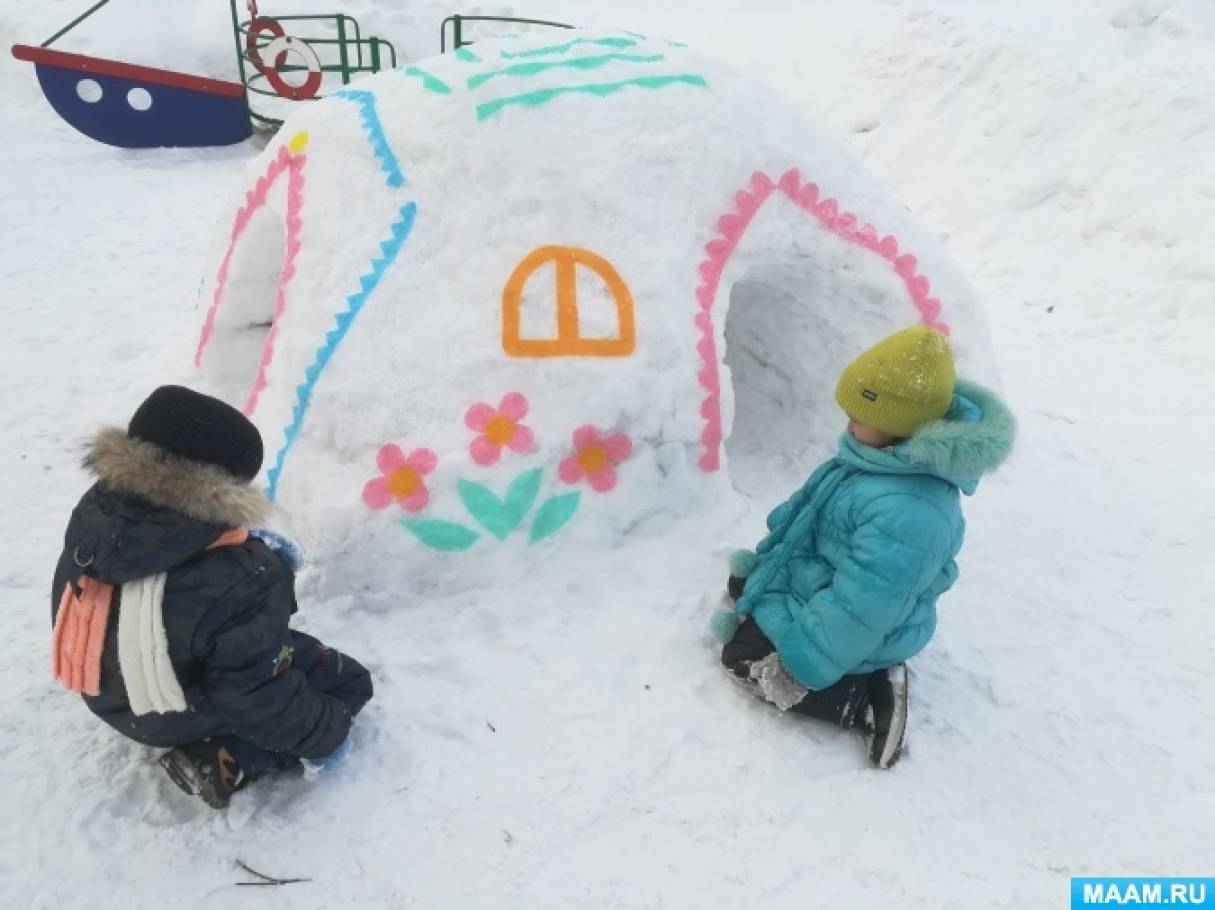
[848, 579]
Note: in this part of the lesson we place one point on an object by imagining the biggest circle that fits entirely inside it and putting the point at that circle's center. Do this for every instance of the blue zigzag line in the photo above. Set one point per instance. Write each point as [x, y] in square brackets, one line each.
[375, 134]
[367, 283]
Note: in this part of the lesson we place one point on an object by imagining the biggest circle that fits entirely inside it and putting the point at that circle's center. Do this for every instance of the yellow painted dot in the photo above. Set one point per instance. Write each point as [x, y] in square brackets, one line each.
[298, 143]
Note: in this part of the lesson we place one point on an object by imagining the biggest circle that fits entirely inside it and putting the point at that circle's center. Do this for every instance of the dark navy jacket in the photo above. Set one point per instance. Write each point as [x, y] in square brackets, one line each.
[226, 611]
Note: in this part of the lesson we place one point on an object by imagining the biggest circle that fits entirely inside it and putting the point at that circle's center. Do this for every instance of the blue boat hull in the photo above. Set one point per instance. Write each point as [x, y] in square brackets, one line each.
[177, 116]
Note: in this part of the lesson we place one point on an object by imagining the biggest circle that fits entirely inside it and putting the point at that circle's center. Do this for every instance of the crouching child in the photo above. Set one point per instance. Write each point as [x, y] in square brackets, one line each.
[171, 617]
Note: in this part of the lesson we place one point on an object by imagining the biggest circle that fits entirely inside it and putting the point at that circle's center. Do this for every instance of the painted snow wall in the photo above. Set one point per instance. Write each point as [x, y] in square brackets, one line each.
[534, 298]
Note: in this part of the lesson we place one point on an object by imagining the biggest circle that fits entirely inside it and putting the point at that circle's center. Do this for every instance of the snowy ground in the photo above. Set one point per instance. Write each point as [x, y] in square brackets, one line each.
[572, 744]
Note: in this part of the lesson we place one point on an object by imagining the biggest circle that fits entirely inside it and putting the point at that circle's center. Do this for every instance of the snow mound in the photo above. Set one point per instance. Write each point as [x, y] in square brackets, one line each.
[532, 299]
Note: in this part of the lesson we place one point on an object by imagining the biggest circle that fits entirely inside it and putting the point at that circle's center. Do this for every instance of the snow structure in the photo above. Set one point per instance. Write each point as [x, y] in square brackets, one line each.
[540, 295]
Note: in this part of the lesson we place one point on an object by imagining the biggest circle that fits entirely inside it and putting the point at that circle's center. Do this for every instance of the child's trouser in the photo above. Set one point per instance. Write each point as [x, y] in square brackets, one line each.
[329, 672]
[749, 655]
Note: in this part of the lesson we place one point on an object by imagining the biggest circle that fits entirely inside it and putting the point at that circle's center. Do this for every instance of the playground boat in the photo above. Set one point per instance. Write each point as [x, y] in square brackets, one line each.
[138, 106]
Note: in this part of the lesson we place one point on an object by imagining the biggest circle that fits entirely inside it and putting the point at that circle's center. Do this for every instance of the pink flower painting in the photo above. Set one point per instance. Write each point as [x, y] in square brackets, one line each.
[499, 428]
[595, 457]
[402, 479]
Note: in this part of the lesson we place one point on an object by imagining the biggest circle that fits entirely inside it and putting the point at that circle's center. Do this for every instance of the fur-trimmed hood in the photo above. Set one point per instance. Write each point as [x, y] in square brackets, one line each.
[973, 438]
[151, 511]
[200, 491]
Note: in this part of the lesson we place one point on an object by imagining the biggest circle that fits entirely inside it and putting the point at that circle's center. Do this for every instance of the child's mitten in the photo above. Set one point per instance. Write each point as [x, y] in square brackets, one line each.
[724, 624]
[742, 562]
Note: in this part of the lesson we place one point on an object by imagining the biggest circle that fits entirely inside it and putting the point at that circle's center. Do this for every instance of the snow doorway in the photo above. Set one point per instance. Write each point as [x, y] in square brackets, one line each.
[246, 311]
[786, 344]
[783, 405]
[803, 299]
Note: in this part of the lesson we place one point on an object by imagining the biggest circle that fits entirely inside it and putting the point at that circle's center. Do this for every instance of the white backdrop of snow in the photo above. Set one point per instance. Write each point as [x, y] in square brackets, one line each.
[1061, 724]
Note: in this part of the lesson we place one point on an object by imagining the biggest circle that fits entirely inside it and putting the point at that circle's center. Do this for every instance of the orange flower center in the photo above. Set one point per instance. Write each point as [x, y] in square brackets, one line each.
[593, 459]
[403, 482]
[500, 430]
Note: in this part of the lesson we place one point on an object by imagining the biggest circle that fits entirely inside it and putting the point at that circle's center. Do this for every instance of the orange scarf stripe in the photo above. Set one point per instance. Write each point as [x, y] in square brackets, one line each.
[78, 637]
[232, 538]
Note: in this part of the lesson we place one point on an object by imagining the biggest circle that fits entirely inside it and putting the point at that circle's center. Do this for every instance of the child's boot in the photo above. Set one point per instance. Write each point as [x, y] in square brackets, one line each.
[205, 769]
[885, 718]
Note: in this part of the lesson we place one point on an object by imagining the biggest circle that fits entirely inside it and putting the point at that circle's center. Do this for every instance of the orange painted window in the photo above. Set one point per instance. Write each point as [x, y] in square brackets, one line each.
[569, 342]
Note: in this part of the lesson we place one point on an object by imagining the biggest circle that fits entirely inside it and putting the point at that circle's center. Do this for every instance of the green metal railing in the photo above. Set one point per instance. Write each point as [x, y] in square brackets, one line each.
[75, 22]
[355, 53]
[457, 30]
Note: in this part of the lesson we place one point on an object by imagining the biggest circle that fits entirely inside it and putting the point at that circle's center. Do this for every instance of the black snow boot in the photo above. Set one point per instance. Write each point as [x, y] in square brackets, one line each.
[206, 770]
[885, 718]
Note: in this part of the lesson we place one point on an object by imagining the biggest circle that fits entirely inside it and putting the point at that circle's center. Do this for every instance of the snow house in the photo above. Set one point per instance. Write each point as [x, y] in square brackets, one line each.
[541, 295]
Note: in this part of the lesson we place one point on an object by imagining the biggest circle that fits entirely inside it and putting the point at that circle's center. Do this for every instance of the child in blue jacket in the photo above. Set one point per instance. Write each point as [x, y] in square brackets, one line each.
[843, 589]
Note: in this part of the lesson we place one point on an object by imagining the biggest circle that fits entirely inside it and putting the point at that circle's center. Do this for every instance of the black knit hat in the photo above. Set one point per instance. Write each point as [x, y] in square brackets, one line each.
[191, 425]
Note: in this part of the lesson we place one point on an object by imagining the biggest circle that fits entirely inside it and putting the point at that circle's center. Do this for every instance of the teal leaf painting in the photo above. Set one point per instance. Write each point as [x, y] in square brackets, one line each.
[497, 515]
[553, 515]
[441, 535]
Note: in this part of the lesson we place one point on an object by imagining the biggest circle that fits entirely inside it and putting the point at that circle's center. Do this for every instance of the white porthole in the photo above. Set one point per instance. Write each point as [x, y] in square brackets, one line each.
[139, 98]
[89, 90]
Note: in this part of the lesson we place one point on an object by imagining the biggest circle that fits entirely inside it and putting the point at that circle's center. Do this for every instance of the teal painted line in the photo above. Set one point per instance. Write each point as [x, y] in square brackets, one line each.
[641, 37]
[466, 55]
[354, 303]
[543, 96]
[562, 48]
[429, 82]
[578, 63]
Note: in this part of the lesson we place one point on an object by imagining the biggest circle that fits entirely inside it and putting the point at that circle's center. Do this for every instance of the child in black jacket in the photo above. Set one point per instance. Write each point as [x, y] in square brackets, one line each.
[171, 619]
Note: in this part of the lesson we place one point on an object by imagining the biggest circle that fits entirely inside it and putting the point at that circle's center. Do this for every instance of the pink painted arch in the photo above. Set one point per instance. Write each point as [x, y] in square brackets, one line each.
[731, 227]
[293, 165]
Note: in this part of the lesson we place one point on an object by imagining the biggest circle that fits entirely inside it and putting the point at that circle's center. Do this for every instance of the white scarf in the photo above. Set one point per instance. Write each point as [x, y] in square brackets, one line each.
[143, 649]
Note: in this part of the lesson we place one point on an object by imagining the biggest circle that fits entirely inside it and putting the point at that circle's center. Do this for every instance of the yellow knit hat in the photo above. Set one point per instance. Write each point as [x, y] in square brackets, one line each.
[900, 383]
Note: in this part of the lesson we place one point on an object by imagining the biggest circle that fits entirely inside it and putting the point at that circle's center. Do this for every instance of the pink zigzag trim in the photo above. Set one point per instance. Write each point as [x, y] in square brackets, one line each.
[254, 200]
[731, 227]
[295, 187]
